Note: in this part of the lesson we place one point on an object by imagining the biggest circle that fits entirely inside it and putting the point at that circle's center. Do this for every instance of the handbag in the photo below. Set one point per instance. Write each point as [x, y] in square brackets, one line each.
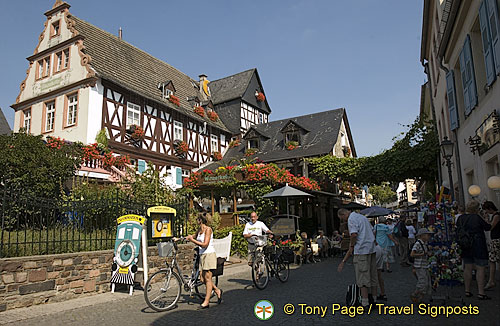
[220, 267]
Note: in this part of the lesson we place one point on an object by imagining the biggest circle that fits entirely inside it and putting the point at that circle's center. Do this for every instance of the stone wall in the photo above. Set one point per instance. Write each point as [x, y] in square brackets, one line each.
[27, 281]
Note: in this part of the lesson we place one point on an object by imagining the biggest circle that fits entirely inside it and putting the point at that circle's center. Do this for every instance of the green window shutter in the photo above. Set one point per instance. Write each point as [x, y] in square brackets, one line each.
[452, 99]
[486, 38]
[492, 10]
[468, 77]
[141, 166]
[178, 174]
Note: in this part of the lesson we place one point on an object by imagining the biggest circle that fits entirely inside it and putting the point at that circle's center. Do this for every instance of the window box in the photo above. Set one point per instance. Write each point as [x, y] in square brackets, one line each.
[291, 145]
[260, 96]
[217, 156]
[234, 143]
[181, 148]
[174, 100]
[212, 115]
[250, 152]
[199, 111]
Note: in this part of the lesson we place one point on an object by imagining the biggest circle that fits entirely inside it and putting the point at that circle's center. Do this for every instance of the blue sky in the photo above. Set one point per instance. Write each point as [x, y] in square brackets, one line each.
[311, 55]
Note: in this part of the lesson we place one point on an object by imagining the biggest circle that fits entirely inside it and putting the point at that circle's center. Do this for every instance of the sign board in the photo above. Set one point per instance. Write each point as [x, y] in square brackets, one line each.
[283, 225]
[489, 132]
[222, 178]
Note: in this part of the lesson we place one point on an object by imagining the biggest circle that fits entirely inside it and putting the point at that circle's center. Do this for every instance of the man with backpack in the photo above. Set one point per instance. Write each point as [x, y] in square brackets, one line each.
[401, 232]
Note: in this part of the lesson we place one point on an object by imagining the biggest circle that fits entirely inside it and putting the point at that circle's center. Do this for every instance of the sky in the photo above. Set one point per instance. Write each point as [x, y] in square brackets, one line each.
[311, 55]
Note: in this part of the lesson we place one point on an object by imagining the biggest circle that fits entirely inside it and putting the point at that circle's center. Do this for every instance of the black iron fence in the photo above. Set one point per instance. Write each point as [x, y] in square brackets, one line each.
[41, 226]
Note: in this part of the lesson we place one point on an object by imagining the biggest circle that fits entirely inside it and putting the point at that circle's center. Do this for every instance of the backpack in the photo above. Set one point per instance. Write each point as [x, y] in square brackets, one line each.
[402, 231]
[353, 296]
[464, 238]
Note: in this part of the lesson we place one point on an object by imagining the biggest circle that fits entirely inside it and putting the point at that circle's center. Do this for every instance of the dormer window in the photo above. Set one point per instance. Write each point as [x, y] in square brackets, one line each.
[253, 143]
[292, 136]
[167, 88]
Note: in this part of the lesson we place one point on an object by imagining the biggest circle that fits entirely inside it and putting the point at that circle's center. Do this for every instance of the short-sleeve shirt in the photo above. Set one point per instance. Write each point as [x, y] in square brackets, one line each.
[365, 242]
[420, 247]
[411, 231]
[382, 232]
[257, 228]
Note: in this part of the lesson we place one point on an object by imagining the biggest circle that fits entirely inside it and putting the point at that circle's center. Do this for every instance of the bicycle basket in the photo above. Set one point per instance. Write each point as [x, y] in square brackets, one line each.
[261, 241]
[165, 249]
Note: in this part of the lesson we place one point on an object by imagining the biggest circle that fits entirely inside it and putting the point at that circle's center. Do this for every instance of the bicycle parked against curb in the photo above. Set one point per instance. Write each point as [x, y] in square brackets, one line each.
[268, 261]
[163, 288]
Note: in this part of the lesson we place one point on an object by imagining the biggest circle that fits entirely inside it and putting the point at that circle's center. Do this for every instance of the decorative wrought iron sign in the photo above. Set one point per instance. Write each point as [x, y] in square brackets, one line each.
[487, 134]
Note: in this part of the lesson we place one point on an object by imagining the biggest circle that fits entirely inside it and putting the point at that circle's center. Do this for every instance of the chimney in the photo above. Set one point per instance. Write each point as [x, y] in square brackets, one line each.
[204, 90]
[120, 34]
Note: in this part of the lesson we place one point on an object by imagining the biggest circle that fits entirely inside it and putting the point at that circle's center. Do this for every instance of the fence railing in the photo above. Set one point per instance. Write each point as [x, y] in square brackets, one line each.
[40, 226]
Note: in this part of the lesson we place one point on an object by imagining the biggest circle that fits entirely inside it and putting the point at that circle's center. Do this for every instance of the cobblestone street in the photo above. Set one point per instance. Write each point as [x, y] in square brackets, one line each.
[317, 284]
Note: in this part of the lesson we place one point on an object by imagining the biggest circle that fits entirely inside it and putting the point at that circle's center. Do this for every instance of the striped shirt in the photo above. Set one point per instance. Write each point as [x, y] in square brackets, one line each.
[420, 248]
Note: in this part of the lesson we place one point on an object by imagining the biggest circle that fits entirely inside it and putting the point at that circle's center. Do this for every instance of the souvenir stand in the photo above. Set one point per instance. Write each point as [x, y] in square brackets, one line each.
[445, 263]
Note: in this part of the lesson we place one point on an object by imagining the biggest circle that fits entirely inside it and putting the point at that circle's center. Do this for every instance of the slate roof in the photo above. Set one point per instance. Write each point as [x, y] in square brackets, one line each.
[125, 65]
[4, 125]
[323, 129]
[231, 87]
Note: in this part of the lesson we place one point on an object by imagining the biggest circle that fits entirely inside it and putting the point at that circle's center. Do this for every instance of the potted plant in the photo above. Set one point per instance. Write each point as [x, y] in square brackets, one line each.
[174, 100]
[291, 145]
[234, 143]
[181, 147]
[217, 156]
[199, 111]
[260, 96]
[138, 133]
[212, 115]
[250, 151]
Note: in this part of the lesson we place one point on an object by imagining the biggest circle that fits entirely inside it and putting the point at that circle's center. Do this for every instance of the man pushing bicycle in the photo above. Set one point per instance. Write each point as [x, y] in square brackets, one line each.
[253, 229]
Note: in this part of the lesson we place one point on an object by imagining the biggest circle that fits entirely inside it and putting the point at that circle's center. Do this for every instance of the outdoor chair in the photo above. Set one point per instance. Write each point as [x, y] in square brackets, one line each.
[223, 246]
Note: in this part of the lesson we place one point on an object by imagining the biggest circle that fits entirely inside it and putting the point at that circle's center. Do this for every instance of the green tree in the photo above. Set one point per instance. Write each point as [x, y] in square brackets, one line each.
[382, 194]
[31, 166]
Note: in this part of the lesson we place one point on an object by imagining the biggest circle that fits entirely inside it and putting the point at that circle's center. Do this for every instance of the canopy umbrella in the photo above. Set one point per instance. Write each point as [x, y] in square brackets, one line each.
[287, 192]
[375, 211]
[353, 205]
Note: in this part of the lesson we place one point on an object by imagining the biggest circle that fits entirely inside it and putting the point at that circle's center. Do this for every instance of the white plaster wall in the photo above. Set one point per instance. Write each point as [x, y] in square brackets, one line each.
[94, 111]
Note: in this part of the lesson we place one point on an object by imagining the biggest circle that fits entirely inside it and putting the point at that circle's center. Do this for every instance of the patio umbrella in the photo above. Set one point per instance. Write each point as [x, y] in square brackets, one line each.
[353, 205]
[287, 191]
[375, 211]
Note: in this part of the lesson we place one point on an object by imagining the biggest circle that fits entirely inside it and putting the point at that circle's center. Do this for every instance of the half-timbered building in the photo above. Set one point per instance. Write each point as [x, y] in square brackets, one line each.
[240, 101]
[82, 79]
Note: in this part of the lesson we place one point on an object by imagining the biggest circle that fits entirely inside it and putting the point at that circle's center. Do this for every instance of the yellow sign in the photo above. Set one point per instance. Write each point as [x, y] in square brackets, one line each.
[131, 218]
[205, 87]
[123, 270]
[161, 209]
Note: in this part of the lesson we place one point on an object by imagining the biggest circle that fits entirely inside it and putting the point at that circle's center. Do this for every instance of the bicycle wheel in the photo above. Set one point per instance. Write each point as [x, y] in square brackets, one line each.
[162, 290]
[282, 270]
[260, 272]
[201, 289]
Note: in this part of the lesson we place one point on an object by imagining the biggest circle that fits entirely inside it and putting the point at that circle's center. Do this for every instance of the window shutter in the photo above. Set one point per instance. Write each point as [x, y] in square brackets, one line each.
[492, 16]
[141, 166]
[468, 77]
[452, 99]
[487, 49]
[178, 176]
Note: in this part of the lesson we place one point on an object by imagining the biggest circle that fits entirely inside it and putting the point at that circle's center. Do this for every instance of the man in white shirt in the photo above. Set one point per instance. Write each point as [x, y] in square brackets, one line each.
[363, 246]
[253, 228]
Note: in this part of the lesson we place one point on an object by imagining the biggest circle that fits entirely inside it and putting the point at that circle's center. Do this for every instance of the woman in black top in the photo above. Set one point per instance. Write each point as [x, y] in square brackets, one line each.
[478, 253]
[494, 245]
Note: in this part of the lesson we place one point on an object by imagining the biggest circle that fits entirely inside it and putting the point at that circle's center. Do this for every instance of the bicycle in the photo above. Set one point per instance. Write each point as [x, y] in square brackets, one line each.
[268, 260]
[163, 288]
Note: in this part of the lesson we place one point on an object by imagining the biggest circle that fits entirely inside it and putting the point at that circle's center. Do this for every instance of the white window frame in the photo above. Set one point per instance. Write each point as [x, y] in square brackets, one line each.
[167, 92]
[27, 120]
[135, 118]
[185, 173]
[253, 140]
[50, 114]
[214, 143]
[72, 110]
[66, 58]
[261, 118]
[178, 132]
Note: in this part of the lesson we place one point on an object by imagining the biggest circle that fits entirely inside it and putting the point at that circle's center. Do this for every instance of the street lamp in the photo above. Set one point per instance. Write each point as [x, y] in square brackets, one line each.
[474, 191]
[447, 151]
[494, 184]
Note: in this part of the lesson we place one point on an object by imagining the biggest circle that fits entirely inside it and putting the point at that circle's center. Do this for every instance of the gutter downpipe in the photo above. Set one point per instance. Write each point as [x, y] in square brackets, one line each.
[461, 197]
[433, 110]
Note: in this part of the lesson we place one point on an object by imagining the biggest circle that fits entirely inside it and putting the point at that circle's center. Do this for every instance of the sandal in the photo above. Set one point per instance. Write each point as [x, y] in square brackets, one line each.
[489, 286]
[468, 294]
[483, 297]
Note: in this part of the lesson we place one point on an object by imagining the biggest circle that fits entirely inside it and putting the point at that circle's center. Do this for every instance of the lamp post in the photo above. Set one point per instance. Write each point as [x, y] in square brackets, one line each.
[494, 184]
[474, 191]
[447, 151]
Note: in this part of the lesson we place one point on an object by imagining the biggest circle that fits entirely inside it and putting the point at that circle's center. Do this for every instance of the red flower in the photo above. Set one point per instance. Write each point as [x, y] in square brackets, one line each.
[174, 100]
[212, 115]
[199, 111]
[217, 156]
[260, 96]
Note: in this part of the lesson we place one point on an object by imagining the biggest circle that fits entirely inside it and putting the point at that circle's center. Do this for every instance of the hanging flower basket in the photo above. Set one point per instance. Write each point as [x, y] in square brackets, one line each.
[251, 151]
[291, 145]
[217, 156]
[174, 100]
[181, 147]
[234, 143]
[260, 96]
[199, 111]
[137, 133]
[212, 115]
